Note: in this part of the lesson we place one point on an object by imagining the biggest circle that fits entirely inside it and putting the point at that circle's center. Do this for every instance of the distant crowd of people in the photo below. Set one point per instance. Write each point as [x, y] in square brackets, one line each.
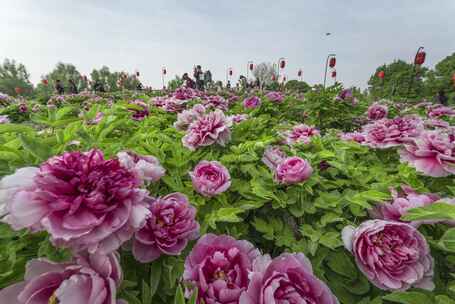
[202, 80]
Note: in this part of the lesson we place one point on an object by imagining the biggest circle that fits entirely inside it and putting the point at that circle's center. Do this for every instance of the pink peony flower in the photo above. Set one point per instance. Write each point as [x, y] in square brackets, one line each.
[174, 105]
[207, 130]
[98, 118]
[353, 136]
[82, 200]
[210, 178]
[347, 95]
[218, 266]
[4, 119]
[293, 170]
[377, 111]
[433, 154]
[147, 168]
[252, 102]
[94, 279]
[401, 203]
[439, 110]
[139, 115]
[36, 108]
[300, 134]
[392, 255]
[232, 99]
[185, 118]
[289, 279]
[437, 123]
[272, 157]
[275, 97]
[238, 118]
[183, 93]
[23, 108]
[171, 225]
[216, 102]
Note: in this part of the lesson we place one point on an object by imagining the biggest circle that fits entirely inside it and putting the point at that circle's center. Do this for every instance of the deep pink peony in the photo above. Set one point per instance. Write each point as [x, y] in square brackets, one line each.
[439, 110]
[353, 136]
[437, 123]
[210, 178]
[4, 119]
[98, 118]
[93, 280]
[386, 133]
[272, 157]
[185, 118]
[286, 279]
[23, 108]
[139, 114]
[207, 130]
[84, 201]
[300, 134]
[216, 102]
[347, 95]
[377, 111]
[392, 255]
[183, 93]
[432, 153]
[252, 102]
[401, 203]
[171, 225]
[293, 170]
[238, 118]
[218, 266]
[275, 97]
[146, 167]
[233, 99]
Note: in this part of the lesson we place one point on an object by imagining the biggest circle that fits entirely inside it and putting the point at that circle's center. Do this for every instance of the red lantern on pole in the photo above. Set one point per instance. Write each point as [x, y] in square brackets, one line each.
[18, 90]
[137, 73]
[334, 74]
[251, 66]
[381, 74]
[45, 82]
[230, 72]
[164, 71]
[282, 63]
[273, 78]
[299, 73]
[420, 58]
[332, 62]
[284, 78]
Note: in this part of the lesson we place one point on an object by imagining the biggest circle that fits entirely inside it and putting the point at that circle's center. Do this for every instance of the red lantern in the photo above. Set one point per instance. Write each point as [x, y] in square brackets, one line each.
[381, 74]
[284, 78]
[45, 82]
[251, 66]
[164, 71]
[230, 72]
[420, 58]
[273, 78]
[18, 90]
[299, 73]
[85, 78]
[334, 74]
[137, 74]
[282, 63]
[332, 62]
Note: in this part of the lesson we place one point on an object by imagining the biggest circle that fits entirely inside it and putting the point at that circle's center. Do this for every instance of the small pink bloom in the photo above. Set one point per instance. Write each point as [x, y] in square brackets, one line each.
[288, 278]
[4, 119]
[208, 129]
[300, 134]
[252, 102]
[272, 157]
[94, 279]
[353, 136]
[185, 118]
[293, 170]
[218, 266]
[98, 118]
[392, 255]
[439, 110]
[216, 102]
[210, 178]
[377, 111]
[238, 118]
[146, 167]
[437, 123]
[23, 108]
[139, 115]
[172, 223]
[275, 97]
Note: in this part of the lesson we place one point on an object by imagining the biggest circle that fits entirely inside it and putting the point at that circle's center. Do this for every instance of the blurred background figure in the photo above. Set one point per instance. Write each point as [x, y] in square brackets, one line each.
[59, 87]
[208, 79]
[187, 81]
[72, 87]
[198, 77]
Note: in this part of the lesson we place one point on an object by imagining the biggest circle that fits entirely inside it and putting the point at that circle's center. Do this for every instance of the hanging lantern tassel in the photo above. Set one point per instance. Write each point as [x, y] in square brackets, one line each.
[334, 74]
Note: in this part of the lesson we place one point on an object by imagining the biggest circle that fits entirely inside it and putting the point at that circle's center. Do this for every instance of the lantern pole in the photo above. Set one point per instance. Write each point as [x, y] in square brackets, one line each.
[162, 75]
[326, 65]
[411, 82]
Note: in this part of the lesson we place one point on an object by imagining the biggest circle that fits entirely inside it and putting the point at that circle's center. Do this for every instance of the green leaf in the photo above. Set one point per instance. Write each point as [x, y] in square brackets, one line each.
[341, 263]
[436, 211]
[155, 276]
[146, 294]
[179, 298]
[224, 215]
[447, 241]
[193, 298]
[443, 299]
[15, 128]
[410, 297]
[35, 147]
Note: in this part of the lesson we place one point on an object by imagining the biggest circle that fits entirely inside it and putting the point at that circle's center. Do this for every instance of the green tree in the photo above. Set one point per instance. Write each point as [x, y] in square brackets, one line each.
[14, 75]
[107, 78]
[297, 86]
[175, 83]
[441, 78]
[401, 80]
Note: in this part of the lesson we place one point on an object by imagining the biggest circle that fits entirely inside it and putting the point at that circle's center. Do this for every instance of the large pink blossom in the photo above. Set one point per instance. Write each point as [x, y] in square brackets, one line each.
[400, 204]
[146, 167]
[94, 279]
[300, 134]
[216, 102]
[275, 96]
[440, 110]
[392, 255]
[289, 279]
[208, 129]
[183, 93]
[170, 226]
[386, 133]
[210, 178]
[185, 118]
[433, 154]
[293, 170]
[82, 200]
[252, 102]
[218, 266]
[377, 111]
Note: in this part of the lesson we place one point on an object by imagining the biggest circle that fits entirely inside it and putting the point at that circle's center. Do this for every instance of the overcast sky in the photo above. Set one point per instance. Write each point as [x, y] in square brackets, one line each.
[148, 34]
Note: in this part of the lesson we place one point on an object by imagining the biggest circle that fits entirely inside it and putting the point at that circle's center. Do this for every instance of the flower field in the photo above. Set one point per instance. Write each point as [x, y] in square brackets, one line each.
[232, 197]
